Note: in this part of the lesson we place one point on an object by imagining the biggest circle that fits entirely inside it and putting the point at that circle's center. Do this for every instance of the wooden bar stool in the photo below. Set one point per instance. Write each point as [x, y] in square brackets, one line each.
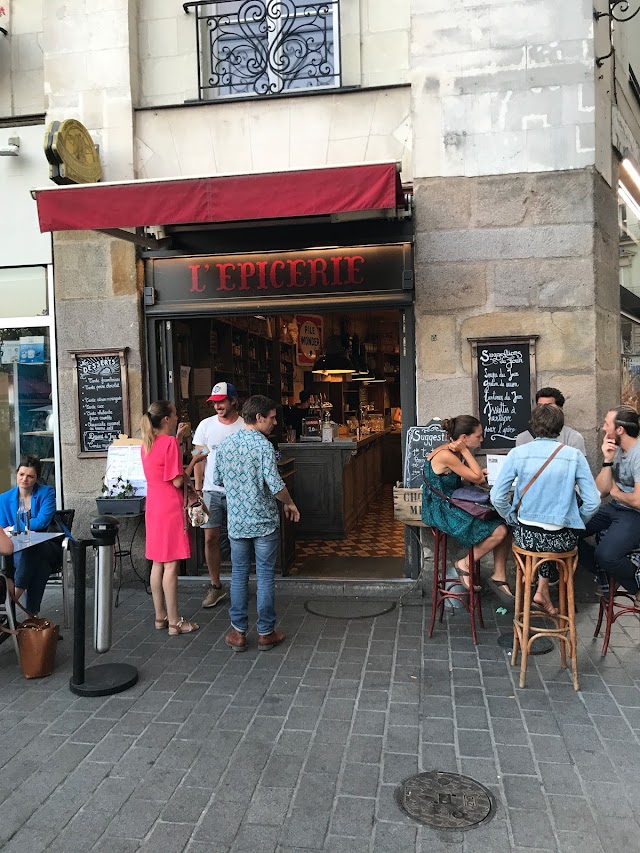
[470, 599]
[524, 632]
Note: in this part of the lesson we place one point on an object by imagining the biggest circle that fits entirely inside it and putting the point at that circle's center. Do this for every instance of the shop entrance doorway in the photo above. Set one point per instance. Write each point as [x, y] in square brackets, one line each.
[342, 484]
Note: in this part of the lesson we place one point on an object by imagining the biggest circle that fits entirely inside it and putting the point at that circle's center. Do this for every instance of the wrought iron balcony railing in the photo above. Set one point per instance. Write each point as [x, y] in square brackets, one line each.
[266, 47]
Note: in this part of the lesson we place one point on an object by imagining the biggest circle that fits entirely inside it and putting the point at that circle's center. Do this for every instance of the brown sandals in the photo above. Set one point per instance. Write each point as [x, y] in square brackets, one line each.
[547, 607]
[462, 573]
[182, 627]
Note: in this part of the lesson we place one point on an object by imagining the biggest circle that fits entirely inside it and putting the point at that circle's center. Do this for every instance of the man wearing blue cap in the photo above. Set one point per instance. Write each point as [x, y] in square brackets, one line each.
[210, 433]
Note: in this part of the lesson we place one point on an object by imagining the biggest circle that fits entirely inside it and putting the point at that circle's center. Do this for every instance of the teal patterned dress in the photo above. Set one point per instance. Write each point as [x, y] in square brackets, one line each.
[436, 512]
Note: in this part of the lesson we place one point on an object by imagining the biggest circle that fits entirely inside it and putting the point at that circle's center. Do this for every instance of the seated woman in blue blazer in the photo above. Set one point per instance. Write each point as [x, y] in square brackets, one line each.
[32, 566]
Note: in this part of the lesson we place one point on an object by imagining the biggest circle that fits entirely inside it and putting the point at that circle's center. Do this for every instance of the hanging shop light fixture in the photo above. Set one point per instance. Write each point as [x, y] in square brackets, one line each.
[335, 360]
[362, 373]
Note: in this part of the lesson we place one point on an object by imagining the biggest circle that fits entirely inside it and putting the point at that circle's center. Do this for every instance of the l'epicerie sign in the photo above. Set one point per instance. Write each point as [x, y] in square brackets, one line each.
[309, 339]
[325, 272]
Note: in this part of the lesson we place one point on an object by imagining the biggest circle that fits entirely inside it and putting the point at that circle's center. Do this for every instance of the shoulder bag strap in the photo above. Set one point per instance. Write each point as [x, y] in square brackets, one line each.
[536, 475]
[436, 492]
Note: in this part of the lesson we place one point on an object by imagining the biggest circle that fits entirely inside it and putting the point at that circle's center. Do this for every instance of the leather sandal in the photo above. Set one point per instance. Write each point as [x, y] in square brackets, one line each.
[162, 624]
[464, 574]
[501, 590]
[548, 607]
[182, 627]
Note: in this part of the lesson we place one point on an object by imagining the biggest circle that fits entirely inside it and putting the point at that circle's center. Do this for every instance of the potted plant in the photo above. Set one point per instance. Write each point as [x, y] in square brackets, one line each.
[119, 498]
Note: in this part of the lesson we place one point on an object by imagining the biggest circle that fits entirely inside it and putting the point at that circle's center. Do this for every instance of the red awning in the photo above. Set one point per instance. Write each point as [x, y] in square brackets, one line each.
[184, 201]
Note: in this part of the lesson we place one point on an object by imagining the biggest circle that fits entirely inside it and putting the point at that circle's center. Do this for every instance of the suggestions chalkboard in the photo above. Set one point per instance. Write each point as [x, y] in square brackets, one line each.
[421, 440]
[102, 405]
[503, 388]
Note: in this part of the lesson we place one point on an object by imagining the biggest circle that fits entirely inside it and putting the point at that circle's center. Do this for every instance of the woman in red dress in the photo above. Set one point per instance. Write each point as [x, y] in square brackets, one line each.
[167, 542]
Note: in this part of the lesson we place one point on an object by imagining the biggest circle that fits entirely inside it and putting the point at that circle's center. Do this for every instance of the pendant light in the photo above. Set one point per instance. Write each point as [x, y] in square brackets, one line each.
[335, 360]
[363, 373]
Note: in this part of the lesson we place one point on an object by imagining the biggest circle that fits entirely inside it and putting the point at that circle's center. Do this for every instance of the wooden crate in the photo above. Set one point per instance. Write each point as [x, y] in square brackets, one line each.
[407, 506]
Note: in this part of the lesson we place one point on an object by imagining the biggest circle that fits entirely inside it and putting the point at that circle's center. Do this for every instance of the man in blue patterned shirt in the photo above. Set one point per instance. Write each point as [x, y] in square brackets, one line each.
[246, 467]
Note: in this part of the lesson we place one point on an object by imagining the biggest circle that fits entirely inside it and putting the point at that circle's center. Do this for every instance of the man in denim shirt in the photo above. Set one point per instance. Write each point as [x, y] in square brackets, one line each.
[246, 466]
[617, 522]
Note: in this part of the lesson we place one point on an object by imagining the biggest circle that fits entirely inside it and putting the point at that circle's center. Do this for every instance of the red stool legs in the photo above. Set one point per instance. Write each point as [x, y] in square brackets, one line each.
[470, 599]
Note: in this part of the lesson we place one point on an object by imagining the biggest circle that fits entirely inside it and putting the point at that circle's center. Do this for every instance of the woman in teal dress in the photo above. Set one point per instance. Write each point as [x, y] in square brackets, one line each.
[445, 469]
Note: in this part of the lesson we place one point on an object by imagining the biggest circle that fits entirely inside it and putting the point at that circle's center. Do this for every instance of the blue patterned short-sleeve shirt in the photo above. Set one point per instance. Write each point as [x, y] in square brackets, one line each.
[246, 466]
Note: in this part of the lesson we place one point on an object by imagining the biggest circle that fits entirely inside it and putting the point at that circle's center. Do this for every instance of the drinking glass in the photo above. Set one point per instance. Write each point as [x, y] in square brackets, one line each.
[23, 520]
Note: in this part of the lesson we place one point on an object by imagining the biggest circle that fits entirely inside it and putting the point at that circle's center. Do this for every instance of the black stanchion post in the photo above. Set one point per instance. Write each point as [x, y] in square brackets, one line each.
[107, 678]
[79, 558]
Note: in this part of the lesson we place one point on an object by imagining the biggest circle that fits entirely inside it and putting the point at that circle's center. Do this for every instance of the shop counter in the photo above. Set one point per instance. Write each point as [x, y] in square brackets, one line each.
[336, 482]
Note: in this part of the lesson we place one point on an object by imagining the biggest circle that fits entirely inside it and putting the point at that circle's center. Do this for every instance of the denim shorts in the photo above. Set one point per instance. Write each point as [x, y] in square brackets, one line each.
[216, 503]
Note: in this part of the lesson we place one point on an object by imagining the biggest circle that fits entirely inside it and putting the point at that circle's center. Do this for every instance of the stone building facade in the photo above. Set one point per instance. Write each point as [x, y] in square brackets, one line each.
[507, 131]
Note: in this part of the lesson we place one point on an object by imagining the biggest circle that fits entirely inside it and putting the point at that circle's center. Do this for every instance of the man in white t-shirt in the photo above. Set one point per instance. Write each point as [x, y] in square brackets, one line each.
[210, 434]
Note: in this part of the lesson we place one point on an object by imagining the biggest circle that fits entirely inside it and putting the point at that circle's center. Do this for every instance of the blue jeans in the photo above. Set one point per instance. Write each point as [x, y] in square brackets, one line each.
[32, 568]
[621, 528]
[266, 549]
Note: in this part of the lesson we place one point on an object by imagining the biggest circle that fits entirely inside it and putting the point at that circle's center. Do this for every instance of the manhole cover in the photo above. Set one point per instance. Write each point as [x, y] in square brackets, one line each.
[445, 800]
[348, 608]
[541, 646]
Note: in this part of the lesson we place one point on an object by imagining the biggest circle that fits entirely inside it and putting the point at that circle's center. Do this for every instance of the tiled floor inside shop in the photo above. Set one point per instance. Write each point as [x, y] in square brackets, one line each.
[301, 748]
[377, 536]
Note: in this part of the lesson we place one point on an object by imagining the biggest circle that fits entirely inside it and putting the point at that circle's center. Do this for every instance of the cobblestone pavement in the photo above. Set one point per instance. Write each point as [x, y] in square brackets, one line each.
[300, 748]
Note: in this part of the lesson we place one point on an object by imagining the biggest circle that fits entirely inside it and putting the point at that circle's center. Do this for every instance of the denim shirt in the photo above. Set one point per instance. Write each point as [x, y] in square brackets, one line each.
[552, 498]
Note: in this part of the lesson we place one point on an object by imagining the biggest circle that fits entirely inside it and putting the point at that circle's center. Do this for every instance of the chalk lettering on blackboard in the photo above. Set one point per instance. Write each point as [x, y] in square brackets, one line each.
[502, 389]
[421, 440]
[102, 406]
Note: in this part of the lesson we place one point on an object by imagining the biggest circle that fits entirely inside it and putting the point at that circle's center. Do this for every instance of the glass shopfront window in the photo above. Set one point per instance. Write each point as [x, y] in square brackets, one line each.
[630, 334]
[26, 405]
[629, 225]
[28, 388]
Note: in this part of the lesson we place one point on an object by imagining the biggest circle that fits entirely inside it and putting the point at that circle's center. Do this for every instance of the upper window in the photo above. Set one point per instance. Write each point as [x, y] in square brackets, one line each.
[23, 292]
[266, 47]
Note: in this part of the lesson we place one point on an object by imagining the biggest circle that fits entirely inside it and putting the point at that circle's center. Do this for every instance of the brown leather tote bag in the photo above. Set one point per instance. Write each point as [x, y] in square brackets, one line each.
[37, 644]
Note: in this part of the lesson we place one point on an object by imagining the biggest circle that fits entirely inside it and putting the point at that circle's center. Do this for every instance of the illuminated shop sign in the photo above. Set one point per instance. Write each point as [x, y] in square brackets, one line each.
[325, 272]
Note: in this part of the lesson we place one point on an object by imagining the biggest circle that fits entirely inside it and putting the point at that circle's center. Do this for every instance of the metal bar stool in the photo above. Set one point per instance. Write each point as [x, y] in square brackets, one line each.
[524, 632]
[470, 599]
[617, 603]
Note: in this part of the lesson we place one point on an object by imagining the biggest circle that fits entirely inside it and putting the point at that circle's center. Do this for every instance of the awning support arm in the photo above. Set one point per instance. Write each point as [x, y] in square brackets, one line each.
[138, 239]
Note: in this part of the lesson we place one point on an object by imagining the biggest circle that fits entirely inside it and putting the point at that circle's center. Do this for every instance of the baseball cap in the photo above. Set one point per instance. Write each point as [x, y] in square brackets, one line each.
[220, 391]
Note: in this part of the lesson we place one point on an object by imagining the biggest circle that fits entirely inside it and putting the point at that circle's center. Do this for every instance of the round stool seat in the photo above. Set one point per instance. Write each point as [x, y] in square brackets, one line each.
[526, 618]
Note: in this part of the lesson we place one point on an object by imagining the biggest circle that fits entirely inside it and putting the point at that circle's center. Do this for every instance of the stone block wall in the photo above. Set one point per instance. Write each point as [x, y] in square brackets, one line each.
[97, 306]
[253, 136]
[519, 255]
[502, 86]
[90, 74]
[21, 58]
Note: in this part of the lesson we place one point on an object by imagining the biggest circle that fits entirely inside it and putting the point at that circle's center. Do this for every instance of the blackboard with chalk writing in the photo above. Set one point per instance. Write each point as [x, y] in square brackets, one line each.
[102, 406]
[504, 387]
[421, 440]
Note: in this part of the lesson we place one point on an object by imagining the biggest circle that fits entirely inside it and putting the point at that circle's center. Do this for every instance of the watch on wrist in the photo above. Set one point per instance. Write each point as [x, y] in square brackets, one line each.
[607, 464]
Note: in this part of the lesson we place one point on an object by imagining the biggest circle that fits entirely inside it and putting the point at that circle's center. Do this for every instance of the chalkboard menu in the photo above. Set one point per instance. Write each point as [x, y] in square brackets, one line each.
[421, 440]
[504, 384]
[102, 404]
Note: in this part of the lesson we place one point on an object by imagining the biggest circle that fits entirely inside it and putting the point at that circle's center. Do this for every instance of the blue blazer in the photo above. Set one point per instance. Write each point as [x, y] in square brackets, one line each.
[43, 507]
